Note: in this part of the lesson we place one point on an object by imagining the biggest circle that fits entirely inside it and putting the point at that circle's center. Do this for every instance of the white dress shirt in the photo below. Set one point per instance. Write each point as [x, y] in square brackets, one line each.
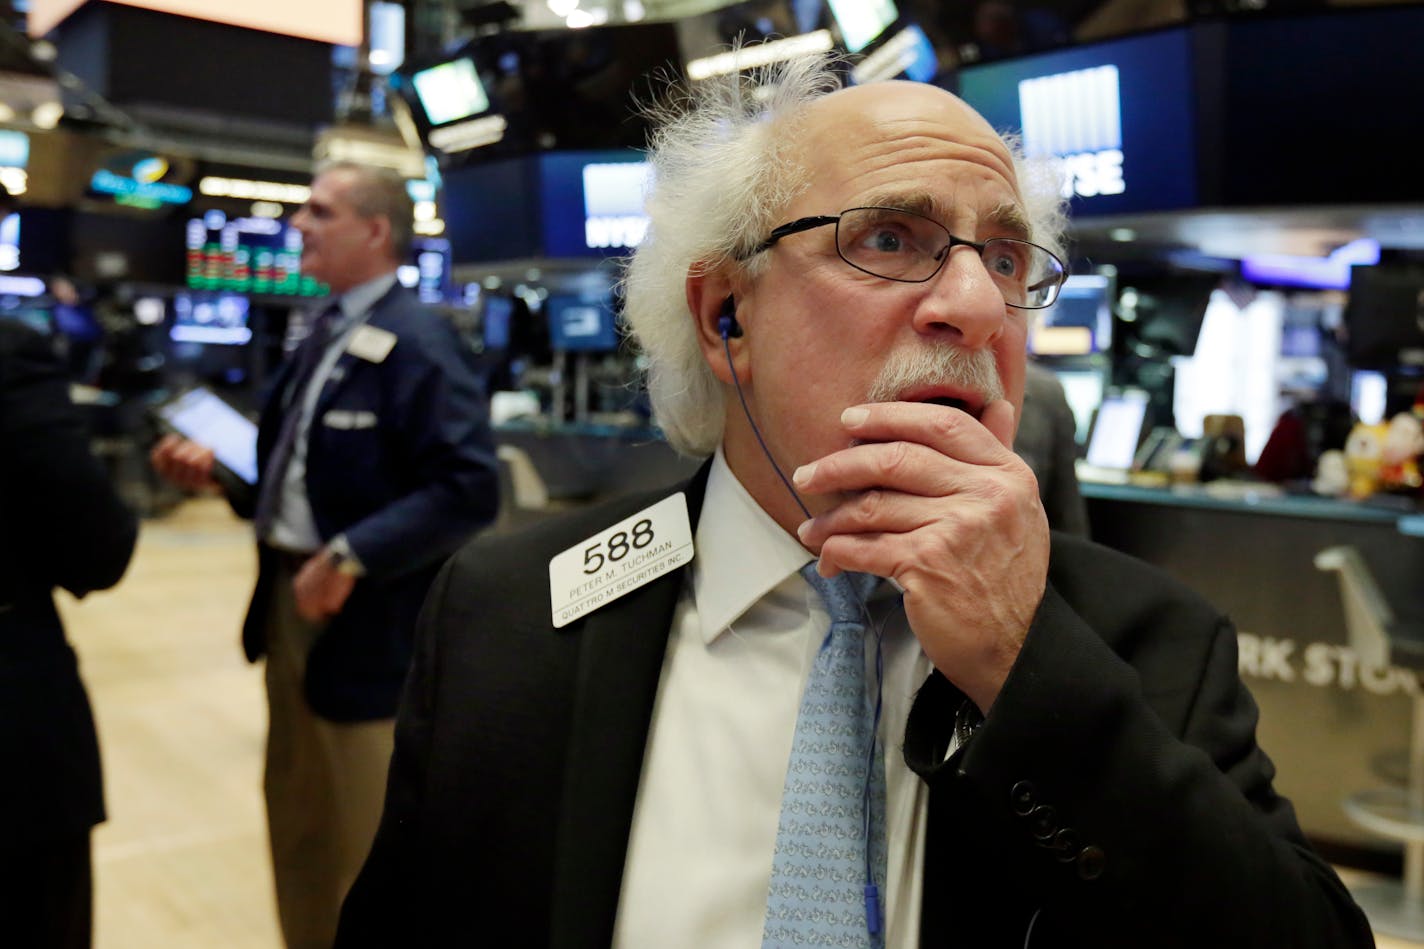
[293, 525]
[740, 650]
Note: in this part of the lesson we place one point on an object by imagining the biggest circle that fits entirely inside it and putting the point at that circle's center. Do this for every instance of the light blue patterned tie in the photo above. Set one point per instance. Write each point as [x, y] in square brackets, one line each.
[818, 876]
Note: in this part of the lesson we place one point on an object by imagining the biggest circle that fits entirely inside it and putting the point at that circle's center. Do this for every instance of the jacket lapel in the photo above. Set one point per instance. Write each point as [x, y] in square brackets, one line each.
[341, 370]
[620, 662]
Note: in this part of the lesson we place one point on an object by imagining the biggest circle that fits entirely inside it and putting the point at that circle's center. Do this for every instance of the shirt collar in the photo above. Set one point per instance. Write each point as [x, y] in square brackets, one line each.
[359, 299]
[742, 554]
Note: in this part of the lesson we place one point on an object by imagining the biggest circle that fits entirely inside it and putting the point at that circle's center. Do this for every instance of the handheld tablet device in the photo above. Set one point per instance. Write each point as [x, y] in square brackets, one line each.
[202, 416]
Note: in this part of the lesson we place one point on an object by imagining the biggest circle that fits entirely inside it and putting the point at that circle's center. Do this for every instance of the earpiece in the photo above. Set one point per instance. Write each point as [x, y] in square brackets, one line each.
[727, 323]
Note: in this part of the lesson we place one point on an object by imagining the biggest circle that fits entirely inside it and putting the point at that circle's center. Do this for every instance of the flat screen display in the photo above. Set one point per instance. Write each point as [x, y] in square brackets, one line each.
[428, 272]
[591, 202]
[450, 91]
[580, 325]
[495, 320]
[202, 416]
[217, 318]
[328, 21]
[1084, 391]
[1117, 430]
[247, 255]
[1079, 322]
[1116, 116]
[861, 21]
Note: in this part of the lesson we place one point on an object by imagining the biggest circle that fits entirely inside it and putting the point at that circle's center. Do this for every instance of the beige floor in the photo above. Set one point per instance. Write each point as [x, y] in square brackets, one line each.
[182, 861]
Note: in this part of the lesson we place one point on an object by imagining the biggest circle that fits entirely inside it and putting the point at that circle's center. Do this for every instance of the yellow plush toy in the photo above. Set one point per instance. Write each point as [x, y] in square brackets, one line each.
[1399, 453]
[1364, 450]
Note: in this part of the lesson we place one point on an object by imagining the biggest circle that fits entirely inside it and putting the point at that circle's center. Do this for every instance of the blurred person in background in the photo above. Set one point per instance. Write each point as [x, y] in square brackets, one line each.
[1047, 441]
[61, 525]
[375, 463]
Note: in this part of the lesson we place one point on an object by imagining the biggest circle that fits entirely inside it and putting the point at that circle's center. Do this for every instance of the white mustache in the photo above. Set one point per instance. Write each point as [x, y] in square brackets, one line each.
[942, 365]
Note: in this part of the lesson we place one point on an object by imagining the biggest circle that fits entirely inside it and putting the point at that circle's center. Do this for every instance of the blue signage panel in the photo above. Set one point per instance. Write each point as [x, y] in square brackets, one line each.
[592, 202]
[490, 212]
[1118, 116]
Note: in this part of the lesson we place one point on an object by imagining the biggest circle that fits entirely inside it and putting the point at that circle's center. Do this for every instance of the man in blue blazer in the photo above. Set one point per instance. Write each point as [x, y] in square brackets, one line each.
[621, 728]
[375, 463]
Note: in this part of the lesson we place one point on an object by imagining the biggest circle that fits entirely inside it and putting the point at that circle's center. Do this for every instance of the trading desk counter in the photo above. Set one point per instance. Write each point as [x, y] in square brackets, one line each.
[1331, 724]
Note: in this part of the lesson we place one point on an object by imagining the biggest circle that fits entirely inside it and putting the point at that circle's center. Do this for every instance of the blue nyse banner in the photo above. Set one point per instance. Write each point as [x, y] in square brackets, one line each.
[1116, 116]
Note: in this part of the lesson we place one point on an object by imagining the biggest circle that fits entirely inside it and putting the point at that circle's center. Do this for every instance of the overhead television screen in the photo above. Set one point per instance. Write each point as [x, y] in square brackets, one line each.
[1116, 116]
[592, 202]
[451, 91]
[862, 21]
[246, 255]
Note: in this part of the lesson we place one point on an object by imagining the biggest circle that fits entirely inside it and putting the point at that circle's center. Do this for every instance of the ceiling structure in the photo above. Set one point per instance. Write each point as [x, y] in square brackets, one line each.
[27, 79]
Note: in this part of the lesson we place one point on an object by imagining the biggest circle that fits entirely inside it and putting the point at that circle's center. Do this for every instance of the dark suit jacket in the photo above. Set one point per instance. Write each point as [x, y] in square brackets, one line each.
[399, 459]
[61, 525]
[1116, 789]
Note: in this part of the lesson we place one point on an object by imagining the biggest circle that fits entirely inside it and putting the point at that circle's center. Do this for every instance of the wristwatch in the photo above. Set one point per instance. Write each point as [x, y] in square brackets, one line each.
[340, 555]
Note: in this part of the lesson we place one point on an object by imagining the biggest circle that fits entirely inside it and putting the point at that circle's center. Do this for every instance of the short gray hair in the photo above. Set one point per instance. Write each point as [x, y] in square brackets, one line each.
[381, 191]
[722, 173]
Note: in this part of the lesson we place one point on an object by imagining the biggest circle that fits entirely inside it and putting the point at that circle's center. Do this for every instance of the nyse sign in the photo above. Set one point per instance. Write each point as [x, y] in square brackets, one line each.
[1090, 174]
[1075, 119]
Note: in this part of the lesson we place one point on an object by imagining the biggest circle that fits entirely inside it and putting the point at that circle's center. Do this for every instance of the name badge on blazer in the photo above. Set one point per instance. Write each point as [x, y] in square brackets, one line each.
[371, 343]
[620, 559]
[344, 419]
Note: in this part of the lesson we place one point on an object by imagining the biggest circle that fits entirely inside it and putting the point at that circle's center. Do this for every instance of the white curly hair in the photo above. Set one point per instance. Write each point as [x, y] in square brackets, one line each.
[722, 172]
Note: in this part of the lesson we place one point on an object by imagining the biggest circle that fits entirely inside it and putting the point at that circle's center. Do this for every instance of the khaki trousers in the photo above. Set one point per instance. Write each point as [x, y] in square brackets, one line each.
[325, 783]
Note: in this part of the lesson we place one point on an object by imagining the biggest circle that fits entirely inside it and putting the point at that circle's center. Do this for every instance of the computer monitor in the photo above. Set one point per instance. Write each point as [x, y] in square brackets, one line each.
[496, 316]
[451, 91]
[1084, 390]
[219, 319]
[246, 255]
[577, 324]
[862, 21]
[1117, 431]
[1079, 323]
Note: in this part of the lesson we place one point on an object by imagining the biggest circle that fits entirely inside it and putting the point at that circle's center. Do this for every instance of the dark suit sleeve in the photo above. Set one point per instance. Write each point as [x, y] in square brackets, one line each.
[64, 514]
[439, 420]
[1136, 789]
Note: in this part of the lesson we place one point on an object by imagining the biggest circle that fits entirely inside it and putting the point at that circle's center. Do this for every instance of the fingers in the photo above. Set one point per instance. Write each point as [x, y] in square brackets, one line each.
[950, 431]
[926, 450]
[183, 463]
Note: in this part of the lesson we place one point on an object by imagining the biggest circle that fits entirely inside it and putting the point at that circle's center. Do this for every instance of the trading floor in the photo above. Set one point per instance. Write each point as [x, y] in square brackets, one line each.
[182, 860]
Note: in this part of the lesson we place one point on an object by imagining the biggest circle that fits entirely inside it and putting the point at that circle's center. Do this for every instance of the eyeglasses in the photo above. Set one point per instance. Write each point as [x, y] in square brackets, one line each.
[911, 248]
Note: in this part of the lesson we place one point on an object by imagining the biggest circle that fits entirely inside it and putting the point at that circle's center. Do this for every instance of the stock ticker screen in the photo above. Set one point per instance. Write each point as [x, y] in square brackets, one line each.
[247, 255]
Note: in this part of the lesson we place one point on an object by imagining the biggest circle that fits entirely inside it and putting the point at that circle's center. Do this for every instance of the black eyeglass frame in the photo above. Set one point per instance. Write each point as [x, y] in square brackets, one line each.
[822, 220]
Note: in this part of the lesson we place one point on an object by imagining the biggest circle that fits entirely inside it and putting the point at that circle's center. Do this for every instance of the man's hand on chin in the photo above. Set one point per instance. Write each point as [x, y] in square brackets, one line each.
[938, 501]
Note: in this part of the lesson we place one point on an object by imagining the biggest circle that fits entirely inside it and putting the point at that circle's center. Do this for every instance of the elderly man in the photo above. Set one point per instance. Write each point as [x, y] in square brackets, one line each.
[634, 728]
[375, 463]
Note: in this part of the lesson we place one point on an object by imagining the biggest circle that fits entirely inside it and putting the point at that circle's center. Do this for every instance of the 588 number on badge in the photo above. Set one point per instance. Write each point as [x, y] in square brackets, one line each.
[619, 559]
[617, 546]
